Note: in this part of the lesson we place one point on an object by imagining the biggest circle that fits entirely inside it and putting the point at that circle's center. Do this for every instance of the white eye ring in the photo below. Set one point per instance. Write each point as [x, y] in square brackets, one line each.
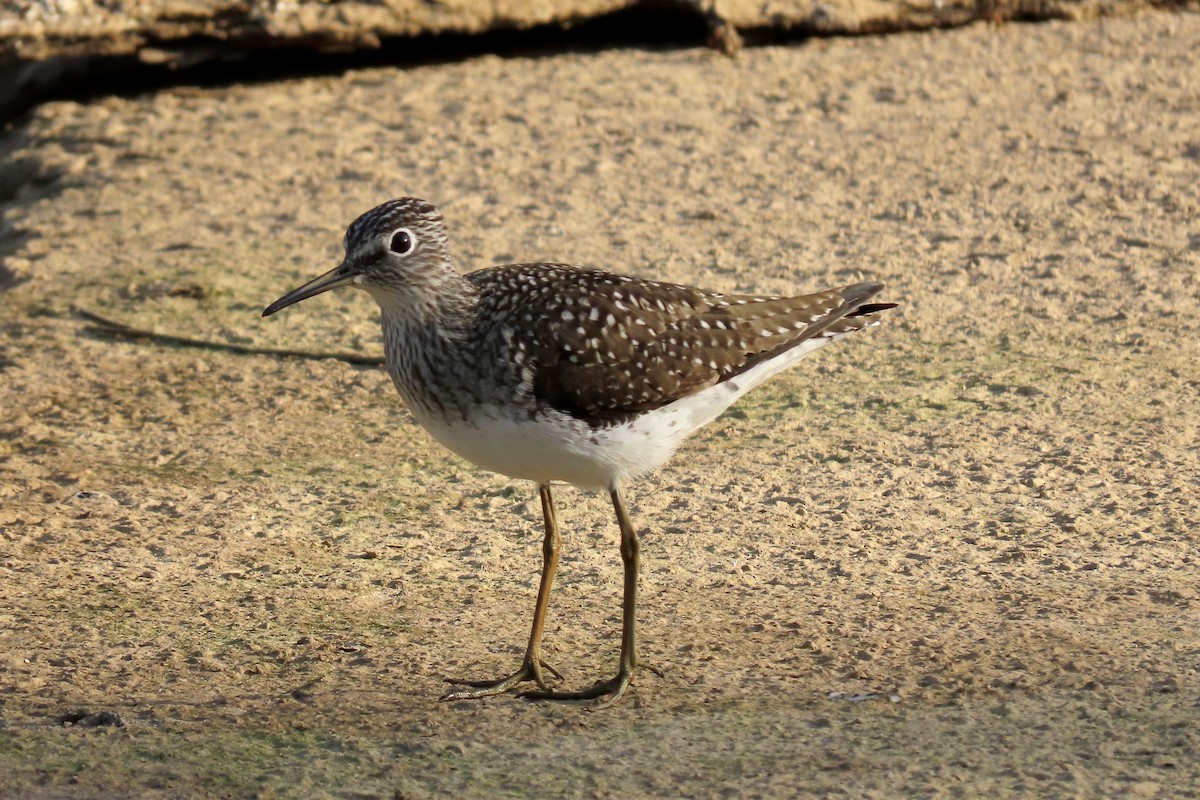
[403, 242]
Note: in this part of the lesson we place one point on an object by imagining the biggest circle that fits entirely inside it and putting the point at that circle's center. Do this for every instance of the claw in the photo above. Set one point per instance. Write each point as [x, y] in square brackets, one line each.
[656, 670]
[610, 690]
[530, 670]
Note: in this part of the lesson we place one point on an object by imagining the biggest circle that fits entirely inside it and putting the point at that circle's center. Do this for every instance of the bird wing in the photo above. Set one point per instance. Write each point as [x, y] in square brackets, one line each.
[603, 346]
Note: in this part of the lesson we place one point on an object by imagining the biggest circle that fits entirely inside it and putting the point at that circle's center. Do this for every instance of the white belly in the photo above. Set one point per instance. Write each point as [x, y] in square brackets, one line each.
[557, 447]
[553, 447]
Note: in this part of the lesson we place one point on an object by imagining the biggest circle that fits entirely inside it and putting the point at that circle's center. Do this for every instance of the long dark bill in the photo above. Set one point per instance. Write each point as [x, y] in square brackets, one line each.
[338, 276]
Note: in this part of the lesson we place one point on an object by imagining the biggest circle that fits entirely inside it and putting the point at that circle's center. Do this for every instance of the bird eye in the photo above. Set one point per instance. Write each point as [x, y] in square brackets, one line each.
[403, 242]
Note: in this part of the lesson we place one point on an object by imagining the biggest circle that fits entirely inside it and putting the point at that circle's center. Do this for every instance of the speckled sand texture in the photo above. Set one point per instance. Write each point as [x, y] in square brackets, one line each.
[986, 506]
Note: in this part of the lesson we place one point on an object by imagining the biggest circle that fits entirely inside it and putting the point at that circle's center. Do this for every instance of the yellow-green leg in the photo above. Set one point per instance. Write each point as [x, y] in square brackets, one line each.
[532, 665]
[612, 689]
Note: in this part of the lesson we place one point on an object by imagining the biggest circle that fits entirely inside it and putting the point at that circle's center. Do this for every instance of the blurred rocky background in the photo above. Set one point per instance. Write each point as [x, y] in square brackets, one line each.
[54, 48]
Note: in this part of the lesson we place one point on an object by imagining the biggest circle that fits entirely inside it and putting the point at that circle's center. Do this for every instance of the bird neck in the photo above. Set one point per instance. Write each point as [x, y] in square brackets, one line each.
[426, 342]
[442, 308]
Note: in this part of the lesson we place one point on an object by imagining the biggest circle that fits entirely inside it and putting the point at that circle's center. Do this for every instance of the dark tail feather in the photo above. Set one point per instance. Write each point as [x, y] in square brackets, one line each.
[863, 316]
[871, 308]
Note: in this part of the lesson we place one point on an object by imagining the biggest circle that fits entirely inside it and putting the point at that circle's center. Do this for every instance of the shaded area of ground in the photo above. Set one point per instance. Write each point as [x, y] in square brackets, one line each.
[56, 50]
[985, 507]
[51, 29]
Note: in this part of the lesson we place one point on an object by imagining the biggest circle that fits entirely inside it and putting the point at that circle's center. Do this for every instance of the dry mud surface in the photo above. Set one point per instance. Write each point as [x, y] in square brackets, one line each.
[985, 508]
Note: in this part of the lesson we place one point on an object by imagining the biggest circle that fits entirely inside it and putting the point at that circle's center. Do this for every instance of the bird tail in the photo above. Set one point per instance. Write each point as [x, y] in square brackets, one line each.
[861, 314]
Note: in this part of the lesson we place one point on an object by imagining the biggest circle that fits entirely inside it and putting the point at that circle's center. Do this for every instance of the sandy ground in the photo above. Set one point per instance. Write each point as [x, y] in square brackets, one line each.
[986, 507]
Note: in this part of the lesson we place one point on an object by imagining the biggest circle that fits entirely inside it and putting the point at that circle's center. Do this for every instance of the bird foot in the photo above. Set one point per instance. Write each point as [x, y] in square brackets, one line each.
[530, 670]
[609, 691]
[656, 670]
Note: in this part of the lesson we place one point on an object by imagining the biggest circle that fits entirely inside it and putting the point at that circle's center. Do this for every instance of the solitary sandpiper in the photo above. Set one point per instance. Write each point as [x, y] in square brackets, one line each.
[555, 373]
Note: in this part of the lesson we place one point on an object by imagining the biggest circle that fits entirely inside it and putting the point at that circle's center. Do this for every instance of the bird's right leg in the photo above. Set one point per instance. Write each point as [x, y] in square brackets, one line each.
[532, 665]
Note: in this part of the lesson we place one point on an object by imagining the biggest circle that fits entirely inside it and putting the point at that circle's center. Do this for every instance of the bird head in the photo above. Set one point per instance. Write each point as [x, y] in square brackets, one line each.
[394, 250]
